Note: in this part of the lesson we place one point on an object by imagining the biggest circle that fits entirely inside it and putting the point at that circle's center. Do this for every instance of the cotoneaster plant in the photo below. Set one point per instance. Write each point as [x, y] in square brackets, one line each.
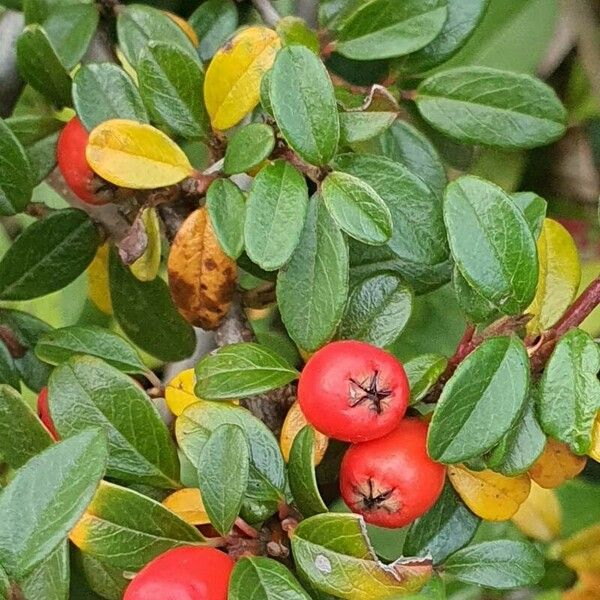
[292, 323]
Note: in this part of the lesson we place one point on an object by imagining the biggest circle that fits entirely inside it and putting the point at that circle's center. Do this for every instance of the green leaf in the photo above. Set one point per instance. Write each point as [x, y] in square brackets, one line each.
[267, 578]
[387, 28]
[42, 493]
[8, 369]
[59, 345]
[27, 330]
[106, 580]
[333, 552]
[48, 255]
[463, 19]
[485, 106]
[38, 135]
[86, 390]
[475, 307]
[569, 392]
[50, 578]
[359, 126]
[533, 208]
[227, 210]
[16, 173]
[357, 208]
[294, 30]
[239, 370]
[40, 66]
[265, 92]
[126, 529]
[423, 372]
[104, 91]
[444, 529]
[22, 434]
[312, 288]
[377, 310]
[170, 82]
[275, 214]
[248, 147]
[304, 104]
[418, 237]
[301, 471]
[138, 25]
[223, 469]
[266, 478]
[5, 585]
[480, 402]
[500, 564]
[70, 29]
[504, 270]
[213, 21]
[147, 315]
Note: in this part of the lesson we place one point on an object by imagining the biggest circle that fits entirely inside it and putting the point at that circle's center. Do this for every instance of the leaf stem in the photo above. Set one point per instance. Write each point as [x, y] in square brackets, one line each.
[267, 11]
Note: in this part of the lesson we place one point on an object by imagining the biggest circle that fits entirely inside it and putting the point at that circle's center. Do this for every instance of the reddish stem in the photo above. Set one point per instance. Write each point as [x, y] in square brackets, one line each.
[580, 309]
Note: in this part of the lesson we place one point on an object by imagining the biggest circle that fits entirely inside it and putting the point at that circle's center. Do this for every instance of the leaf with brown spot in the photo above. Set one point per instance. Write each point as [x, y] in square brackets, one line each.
[202, 277]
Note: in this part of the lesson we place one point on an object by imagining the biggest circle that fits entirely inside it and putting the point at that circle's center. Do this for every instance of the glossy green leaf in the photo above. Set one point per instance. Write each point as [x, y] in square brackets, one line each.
[480, 402]
[50, 578]
[533, 208]
[126, 529]
[357, 208]
[86, 390]
[223, 469]
[312, 288]
[304, 104]
[475, 307]
[138, 24]
[569, 392]
[266, 477]
[275, 214]
[444, 529]
[59, 345]
[333, 552]
[463, 18]
[8, 370]
[418, 237]
[106, 580]
[48, 255]
[500, 564]
[170, 83]
[387, 28]
[485, 106]
[213, 21]
[22, 434]
[238, 370]
[16, 173]
[44, 501]
[267, 578]
[27, 330]
[248, 147]
[377, 310]
[104, 91]
[40, 66]
[423, 372]
[301, 471]
[227, 210]
[139, 303]
[359, 126]
[504, 269]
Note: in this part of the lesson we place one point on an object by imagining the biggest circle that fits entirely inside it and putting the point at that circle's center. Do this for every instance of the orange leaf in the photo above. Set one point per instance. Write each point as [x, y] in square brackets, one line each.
[556, 465]
[187, 503]
[184, 26]
[294, 422]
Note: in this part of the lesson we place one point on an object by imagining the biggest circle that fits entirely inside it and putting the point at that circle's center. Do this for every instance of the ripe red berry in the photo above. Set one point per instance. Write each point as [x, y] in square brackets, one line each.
[70, 154]
[44, 412]
[391, 481]
[353, 391]
[190, 573]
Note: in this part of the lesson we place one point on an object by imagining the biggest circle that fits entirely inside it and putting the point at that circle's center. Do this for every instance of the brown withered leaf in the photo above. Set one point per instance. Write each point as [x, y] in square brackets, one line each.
[202, 278]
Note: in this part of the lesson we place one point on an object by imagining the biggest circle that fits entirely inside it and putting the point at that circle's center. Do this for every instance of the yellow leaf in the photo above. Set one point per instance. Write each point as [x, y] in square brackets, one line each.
[489, 495]
[294, 422]
[187, 503]
[594, 451]
[135, 155]
[539, 516]
[560, 274]
[556, 465]
[232, 82]
[146, 267]
[126, 65]
[184, 26]
[98, 287]
[581, 552]
[179, 393]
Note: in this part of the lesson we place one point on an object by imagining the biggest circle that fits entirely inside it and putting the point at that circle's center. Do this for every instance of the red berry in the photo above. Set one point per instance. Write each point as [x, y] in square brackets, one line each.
[190, 573]
[353, 391]
[70, 154]
[44, 412]
[391, 481]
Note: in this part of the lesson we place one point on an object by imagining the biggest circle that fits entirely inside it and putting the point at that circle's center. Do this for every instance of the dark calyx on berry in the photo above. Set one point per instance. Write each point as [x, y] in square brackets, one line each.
[368, 391]
[369, 498]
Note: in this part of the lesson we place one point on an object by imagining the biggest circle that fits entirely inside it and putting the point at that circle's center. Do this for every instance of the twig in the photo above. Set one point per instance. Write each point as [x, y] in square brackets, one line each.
[11, 25]
[10, 340]
[309, 11]
[267, 11]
